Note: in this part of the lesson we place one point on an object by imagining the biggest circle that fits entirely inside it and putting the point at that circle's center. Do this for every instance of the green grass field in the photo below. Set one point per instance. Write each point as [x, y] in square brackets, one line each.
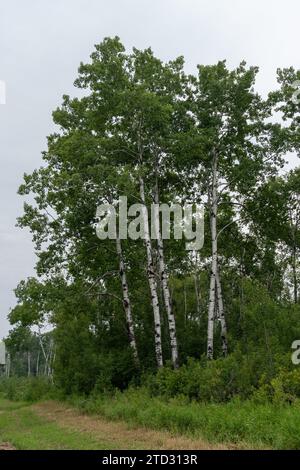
[24, 429]
[53, 425]
[134, 421]
[242, 423]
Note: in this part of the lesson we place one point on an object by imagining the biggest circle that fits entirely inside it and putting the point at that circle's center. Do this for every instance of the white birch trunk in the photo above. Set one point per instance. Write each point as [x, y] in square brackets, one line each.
[151, 278]
[49, 359]
[54, 356]
[221, 314]
[165, 285]
[185, 303]
[126, 302]
[44, 353]
[198, 296]
[212, 287]
[294, 270]
[46, 364]
[7, 368]
[38, 363]
[28, 364]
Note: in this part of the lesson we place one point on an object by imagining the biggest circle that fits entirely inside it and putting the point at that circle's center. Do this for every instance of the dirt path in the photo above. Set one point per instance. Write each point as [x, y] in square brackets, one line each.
[118, 433]
[6, 446]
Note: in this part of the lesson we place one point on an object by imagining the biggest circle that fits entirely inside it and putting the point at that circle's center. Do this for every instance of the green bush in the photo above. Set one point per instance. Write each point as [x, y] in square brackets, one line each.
[27, 388]
[284, 388]
[208, 381]
[236, 422]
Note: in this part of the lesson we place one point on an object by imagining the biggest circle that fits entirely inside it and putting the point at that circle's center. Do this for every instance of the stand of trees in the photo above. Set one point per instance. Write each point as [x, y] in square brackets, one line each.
[145, 129]
[29, 353]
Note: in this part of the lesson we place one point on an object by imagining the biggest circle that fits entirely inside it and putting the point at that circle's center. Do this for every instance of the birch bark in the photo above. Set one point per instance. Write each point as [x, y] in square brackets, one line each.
[151, 277]
[165, 283]
[212, 288]
[221, 314]
[294, 270]
[126, 302]
[38, 363]
[198, 298]
[28, 363]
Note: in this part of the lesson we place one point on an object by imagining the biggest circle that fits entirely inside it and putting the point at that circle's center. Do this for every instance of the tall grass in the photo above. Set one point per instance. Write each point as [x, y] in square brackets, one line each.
[248, 423]
[27, 389]
[254, 425]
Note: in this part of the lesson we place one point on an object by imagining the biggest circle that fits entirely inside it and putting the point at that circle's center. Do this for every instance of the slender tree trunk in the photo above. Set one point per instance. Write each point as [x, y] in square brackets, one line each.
[198, 296]
[151, 277]
[165, 284]
[28, 363]
[37, 364]
[7, 369]
[185, 302]
[212, 287]
[49, 359]
[294, 268]
[221, 314]
[44, 353]
[46, 365]
[53, 361]
[126, 302]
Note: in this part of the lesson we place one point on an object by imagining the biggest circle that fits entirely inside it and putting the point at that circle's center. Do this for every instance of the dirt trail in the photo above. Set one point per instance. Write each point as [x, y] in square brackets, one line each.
[118, 433]
[6, 446]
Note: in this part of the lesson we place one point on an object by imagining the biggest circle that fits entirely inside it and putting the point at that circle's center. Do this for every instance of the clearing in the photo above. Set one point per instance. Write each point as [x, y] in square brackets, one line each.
[53, 425]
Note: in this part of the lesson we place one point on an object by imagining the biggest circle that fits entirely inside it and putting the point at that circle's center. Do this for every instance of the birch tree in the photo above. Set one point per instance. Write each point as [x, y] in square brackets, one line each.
[165, 281]
[275, 215]
[151, 278]
[127, 302]
[235, 146]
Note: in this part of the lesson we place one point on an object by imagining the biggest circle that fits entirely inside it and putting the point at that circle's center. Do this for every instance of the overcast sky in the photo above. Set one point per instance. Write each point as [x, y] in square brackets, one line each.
[43, 41]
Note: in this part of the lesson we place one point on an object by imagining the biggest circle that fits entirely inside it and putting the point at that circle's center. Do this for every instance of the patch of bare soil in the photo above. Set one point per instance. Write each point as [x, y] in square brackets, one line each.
[6, 446]
[118, 433]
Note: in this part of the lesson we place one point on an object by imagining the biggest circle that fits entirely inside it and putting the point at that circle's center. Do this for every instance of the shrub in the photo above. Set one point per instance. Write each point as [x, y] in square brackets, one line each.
[27, 388]
[208, 381]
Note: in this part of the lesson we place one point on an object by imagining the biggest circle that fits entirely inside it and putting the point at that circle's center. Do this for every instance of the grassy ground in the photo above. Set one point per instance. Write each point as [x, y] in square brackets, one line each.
[53, 425]
[134, 420]
[241, 423]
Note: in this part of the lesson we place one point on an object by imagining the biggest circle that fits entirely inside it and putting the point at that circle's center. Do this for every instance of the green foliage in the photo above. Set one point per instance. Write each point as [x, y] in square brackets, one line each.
[237, 376]
[24, 429]
[28, 351]
[283, 388]
[251, 423]
[237, 422]
[206, 381]
[26, 389]
[142, 118]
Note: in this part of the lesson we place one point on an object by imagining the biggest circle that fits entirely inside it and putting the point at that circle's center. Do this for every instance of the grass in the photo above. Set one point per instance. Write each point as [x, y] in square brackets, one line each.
[239, 424]
[7, 405]
[24, 429]
[53, 425]
[243, 423]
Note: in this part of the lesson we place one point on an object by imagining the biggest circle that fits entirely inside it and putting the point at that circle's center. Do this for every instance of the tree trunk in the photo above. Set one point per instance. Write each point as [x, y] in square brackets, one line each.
[294, 268]
[198, 296]
[214, 246]
[37, 364]
[44, 353]
[28, 363]
[127, 303]
[151, 278]
[165, 284]
[49, 372]
[185, 303]
[221, 314]
[7, 368]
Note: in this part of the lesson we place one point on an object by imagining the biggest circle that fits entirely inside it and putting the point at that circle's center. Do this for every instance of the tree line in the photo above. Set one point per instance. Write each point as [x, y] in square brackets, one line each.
[145, 129]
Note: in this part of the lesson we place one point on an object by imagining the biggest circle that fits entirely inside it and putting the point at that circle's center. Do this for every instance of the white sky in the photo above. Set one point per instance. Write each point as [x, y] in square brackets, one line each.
[43, 41]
